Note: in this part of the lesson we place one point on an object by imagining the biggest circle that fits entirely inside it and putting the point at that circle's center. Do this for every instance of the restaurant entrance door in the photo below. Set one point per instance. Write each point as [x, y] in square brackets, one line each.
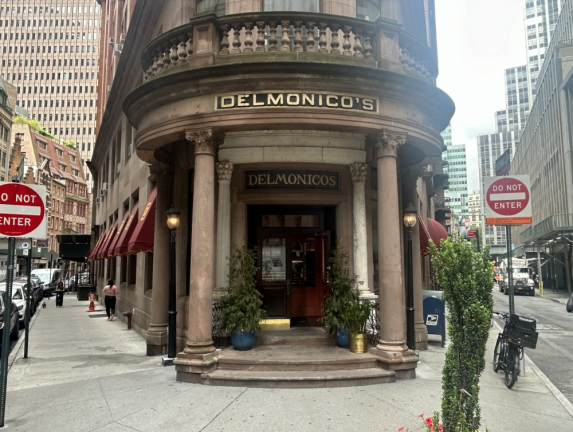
[292, 252]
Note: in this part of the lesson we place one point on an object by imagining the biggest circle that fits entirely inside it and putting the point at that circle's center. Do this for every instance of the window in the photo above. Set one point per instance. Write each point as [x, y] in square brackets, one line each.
[59, 152]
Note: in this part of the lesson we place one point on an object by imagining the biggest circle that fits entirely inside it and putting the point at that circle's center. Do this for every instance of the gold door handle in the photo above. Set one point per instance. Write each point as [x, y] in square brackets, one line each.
[288, 286]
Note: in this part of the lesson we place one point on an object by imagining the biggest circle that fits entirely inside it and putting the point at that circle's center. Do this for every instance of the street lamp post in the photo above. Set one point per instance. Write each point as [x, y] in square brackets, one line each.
[173, 224]
[410, 216]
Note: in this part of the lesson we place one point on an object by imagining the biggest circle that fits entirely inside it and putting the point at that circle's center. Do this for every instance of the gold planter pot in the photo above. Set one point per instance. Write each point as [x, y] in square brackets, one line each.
[359, 344]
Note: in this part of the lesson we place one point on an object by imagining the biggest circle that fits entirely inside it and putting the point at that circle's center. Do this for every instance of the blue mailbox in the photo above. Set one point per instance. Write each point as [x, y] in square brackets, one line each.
[435, 313]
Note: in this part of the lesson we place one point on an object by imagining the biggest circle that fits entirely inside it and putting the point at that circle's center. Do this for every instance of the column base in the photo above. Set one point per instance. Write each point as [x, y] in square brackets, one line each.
[191, 367]
[403, 363]
[156, 339]
[421, 336]
[368, 295]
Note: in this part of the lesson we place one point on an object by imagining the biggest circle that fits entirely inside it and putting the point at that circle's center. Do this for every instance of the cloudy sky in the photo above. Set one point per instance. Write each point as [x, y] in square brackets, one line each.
[477, 41]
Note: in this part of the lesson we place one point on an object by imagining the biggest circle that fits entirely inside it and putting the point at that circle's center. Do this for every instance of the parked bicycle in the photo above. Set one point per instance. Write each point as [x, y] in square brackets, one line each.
[518, 332]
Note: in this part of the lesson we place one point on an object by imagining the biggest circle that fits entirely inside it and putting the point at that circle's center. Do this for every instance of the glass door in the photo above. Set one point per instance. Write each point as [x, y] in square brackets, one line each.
[274, 282]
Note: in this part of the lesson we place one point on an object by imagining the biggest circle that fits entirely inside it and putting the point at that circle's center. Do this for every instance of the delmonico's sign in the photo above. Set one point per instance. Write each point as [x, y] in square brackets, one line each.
[296, 179]
[296, 99]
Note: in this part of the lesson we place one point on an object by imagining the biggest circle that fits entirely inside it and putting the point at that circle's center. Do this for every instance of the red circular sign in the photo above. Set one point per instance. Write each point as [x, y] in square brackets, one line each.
[507, 196]
[21, 209]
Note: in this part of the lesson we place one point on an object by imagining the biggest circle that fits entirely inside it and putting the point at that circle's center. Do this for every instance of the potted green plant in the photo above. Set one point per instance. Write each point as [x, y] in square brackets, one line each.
[341, 292]
[355, 314]
[242, 305]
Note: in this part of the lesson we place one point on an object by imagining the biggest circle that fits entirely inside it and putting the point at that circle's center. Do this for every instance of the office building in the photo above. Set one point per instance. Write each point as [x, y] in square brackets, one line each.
[50, 52]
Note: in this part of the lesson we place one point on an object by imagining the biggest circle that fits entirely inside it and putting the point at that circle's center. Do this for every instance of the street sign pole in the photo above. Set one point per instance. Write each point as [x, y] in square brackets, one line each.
[510, 270]
[27, 319]
[477, 239]
[6, 329]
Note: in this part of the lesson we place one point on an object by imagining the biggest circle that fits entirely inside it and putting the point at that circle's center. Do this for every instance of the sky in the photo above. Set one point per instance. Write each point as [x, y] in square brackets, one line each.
[477, 41]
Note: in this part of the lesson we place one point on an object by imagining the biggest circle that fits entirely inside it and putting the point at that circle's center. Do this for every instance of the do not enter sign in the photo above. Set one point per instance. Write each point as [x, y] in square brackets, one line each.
[22, 210]
[507, 200]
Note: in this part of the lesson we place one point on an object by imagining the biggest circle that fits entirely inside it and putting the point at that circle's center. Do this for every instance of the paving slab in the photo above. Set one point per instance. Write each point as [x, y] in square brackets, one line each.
[92, 375]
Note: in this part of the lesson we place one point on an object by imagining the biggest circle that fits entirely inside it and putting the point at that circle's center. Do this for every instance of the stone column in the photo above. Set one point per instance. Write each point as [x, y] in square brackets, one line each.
[225, 172]
[391, 349]
[358, 173]
[199, 355]
[410, 195]
[161, 175]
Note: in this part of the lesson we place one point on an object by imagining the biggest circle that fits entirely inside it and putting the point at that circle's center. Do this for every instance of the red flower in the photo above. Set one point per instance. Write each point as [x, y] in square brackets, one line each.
[421, 415]
[429, 421]
[401, 428]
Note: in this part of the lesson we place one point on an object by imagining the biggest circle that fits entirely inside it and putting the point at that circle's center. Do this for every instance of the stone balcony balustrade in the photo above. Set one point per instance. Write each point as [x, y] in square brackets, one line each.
[289, 37]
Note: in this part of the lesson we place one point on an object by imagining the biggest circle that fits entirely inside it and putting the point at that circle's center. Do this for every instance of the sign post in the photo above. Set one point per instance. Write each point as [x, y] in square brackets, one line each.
[474, 234]
[22, 214]
[507, 202]
[27, 318]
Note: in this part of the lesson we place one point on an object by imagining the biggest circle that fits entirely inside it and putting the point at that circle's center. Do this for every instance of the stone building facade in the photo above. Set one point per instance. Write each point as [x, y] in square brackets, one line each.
[284, 130]
[7, 109]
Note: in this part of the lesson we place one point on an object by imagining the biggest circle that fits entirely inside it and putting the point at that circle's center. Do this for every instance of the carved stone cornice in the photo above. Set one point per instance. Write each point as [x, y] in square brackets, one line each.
[205, 140]
[160, 173]
[386, 142]
[224, 170]
[411, 174]
[358, 172]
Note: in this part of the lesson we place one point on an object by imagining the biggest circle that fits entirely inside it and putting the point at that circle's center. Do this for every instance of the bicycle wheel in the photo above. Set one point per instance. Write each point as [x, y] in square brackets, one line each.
[512, 367]
[498, 354]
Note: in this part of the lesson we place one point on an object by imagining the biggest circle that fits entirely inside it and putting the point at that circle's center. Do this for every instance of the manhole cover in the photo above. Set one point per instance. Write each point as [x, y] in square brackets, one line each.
[97, 315]
[548, 327]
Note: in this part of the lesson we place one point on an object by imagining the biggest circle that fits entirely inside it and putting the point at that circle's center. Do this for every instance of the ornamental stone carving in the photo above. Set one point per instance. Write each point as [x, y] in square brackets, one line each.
[160, 173]
[224, 170]
[358, 172]
[205, 140]
[387, 142]
[411, 174]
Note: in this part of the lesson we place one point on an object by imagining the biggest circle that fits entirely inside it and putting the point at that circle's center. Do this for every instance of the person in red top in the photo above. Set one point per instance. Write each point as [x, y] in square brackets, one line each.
[110, 291]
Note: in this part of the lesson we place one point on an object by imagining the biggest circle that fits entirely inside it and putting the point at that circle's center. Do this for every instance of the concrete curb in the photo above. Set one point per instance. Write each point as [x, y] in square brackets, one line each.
[552, 299]
[14, 354]
[550, 386]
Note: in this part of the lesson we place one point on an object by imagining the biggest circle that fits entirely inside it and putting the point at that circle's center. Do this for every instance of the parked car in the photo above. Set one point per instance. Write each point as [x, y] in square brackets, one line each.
[19, 299]
[36, 291]
[13, 319]
[49, 277]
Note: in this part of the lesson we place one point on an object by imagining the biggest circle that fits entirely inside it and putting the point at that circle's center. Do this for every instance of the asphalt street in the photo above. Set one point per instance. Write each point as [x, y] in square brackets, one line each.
[554, 352]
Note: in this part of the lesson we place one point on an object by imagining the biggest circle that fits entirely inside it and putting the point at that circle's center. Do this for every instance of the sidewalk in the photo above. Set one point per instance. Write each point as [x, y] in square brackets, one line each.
[559, 297]
[88, 374]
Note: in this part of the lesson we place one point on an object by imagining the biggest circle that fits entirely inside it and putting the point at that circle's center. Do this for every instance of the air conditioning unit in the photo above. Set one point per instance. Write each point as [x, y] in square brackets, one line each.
[110, 42]
[97, 201]
[102, 192]
[130, 149]
[117, 49]
[118, 168]
[104, 186]
[109, 88]
[122, 38]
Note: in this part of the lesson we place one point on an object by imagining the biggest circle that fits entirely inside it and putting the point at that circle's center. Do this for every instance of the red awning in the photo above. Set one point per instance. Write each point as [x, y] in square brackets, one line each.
[125, 235]
[142, 238]
[100, 240]
[103, 249]
[116, 236]
[435, 232]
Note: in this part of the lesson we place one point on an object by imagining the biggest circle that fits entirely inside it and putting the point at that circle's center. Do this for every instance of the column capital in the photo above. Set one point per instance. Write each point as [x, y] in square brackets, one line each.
[411, 174]
[386, 142]
[358, 172]
[205, 140]
[224, 170]
[160, 173]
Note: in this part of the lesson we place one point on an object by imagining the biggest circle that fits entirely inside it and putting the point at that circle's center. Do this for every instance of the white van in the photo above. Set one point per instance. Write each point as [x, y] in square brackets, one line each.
[49, 278]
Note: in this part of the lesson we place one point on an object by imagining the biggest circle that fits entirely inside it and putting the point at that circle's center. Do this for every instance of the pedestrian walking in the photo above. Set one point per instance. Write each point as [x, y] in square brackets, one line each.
[110, 291]
[60, 290]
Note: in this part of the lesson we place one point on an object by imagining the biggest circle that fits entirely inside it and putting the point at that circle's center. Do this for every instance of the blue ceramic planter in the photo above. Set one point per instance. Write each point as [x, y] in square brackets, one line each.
[243, 341]
[343, 338]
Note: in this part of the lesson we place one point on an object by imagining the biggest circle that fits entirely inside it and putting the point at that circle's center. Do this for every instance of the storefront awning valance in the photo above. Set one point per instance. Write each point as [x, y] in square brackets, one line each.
[111, 246]
[100, 240]
[123, 241]
[142, 237]
[434, 231]
[103, 249]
